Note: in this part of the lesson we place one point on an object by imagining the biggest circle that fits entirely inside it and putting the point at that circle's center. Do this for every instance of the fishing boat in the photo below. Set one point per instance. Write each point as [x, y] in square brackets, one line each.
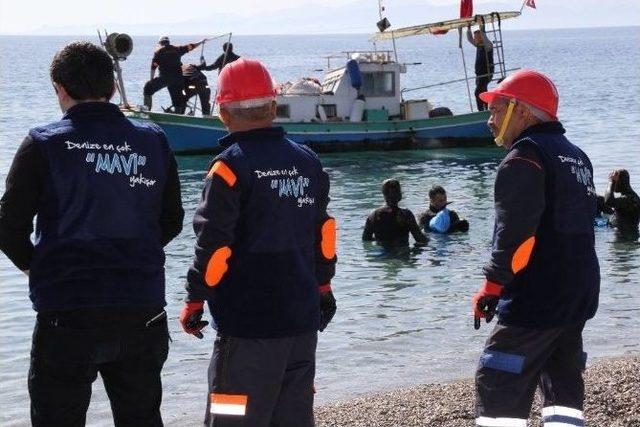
[359, 104]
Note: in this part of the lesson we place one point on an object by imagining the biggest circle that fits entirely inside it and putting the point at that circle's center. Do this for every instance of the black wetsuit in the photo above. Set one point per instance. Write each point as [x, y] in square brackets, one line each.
[195, 83]
[391, 226]
[167, 59]
[626, 211]
[221, 61]
[456, 223]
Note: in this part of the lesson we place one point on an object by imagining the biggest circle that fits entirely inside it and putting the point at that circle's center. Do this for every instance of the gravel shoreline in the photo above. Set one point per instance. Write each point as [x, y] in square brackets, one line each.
[612, 400]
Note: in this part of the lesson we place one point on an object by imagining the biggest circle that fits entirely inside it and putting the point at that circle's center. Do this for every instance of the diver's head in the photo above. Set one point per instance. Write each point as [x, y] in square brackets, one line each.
[623, 183]
[437, 198]
[391, 191]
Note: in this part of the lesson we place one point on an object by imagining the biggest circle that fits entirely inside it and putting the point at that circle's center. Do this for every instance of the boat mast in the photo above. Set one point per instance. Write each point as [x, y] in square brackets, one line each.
[464, 66]
[117, 53]
[383, 24]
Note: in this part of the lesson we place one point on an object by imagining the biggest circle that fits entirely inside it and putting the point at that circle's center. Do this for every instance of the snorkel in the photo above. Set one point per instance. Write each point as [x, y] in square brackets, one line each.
[499, 140]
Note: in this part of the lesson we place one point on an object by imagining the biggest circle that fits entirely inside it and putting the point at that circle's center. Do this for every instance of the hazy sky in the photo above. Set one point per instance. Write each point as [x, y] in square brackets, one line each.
[286, 16]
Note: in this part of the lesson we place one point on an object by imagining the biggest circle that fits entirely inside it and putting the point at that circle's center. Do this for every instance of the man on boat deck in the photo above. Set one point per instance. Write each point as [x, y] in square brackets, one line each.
[107, 198]
[390, 225]
[626, 208]
[265, 257]
[195, 83]
[167, 59]
[484, 63]
[227, 57]
[543, 277]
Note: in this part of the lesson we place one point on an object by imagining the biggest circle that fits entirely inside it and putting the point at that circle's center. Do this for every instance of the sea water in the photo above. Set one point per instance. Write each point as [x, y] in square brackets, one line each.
[403, 318]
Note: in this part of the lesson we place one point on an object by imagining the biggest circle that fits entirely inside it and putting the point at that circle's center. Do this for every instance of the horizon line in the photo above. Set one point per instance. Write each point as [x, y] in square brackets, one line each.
[2, 34]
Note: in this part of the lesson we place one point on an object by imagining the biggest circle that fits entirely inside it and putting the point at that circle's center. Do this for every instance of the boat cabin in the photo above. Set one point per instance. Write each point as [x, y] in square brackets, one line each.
[365, 88]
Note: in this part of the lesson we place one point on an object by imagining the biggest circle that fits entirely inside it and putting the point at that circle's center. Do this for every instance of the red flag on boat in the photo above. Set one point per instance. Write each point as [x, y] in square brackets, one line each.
[466, 8]
[530, 3]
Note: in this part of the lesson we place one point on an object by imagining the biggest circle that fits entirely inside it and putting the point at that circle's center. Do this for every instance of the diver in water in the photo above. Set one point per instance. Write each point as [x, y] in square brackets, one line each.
[438, 218]
[626, 208]
[390, 224]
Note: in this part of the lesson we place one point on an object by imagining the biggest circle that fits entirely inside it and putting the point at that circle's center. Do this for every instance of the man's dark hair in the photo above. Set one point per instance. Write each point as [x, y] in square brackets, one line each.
[84, 70]
[435, 190]
[227, 47]
[391, 191]
[624, 182]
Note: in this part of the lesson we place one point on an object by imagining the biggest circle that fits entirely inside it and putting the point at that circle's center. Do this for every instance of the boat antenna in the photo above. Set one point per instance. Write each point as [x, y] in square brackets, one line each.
[383, 24]
[464, 65]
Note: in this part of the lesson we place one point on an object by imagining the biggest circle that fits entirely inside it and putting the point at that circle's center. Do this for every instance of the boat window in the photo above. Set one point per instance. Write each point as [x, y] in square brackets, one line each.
[283, 111]
[381, 83]
[331, 110]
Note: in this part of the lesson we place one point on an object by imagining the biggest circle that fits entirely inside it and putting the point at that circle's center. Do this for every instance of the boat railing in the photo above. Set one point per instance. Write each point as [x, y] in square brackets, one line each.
[362, 56]
[405, 90]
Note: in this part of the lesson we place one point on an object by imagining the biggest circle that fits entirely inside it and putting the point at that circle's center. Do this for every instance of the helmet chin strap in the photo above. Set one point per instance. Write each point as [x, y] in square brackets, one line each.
[499, 140]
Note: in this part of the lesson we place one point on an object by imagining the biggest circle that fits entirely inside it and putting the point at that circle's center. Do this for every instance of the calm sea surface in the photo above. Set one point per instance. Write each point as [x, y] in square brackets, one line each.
[402, 318]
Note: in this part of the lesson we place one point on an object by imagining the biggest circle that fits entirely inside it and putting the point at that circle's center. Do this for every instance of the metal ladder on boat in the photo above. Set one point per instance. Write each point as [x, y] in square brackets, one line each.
[500, 70]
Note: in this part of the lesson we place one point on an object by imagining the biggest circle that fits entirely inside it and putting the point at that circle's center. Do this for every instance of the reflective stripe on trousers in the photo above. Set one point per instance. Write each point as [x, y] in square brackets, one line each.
[562, 416]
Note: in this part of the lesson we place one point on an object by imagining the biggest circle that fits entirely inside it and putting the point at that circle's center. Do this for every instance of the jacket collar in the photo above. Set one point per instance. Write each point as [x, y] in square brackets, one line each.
[85, 109]
[540, 128]
[273, 133]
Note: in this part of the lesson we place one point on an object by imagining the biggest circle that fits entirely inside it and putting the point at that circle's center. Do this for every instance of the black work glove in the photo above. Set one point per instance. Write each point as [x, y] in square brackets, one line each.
[327, 308]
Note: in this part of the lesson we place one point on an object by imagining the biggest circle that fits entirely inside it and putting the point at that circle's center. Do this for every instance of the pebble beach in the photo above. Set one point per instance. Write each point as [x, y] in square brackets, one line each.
[612, 400]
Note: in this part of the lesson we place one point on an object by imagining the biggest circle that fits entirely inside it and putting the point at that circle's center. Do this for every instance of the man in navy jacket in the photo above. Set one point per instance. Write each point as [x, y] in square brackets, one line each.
[264, 259]
[107, 198]
[543, 276]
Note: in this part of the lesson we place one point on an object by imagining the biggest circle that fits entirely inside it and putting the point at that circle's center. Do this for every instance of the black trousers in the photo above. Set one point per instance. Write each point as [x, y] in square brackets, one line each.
[204, 93]
[482, 84]
[175, 86]
[68, 351]
[516, 360]
[262, 382]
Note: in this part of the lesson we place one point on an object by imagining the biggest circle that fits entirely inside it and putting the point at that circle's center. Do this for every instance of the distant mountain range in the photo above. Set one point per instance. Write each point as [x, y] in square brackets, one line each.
[360, 16]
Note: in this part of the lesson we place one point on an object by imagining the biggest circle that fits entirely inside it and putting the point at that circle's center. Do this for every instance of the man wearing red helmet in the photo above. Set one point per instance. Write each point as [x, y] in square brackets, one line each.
[543, 277]
[265, 256]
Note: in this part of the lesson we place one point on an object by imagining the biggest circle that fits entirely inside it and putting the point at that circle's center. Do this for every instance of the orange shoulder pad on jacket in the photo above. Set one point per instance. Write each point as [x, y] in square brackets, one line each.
[223, 171]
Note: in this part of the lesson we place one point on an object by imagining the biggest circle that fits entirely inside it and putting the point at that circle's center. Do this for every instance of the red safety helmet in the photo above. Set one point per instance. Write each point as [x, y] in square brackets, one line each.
[245, 83]
[528, 86]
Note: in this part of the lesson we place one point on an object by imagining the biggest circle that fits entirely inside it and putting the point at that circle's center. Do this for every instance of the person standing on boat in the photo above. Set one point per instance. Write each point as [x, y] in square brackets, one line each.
[107, 198]
[264, 259]
[626, 208]
[227, 57]
[484, 63]
[166, 58]
[543, 277]
[390, 225]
